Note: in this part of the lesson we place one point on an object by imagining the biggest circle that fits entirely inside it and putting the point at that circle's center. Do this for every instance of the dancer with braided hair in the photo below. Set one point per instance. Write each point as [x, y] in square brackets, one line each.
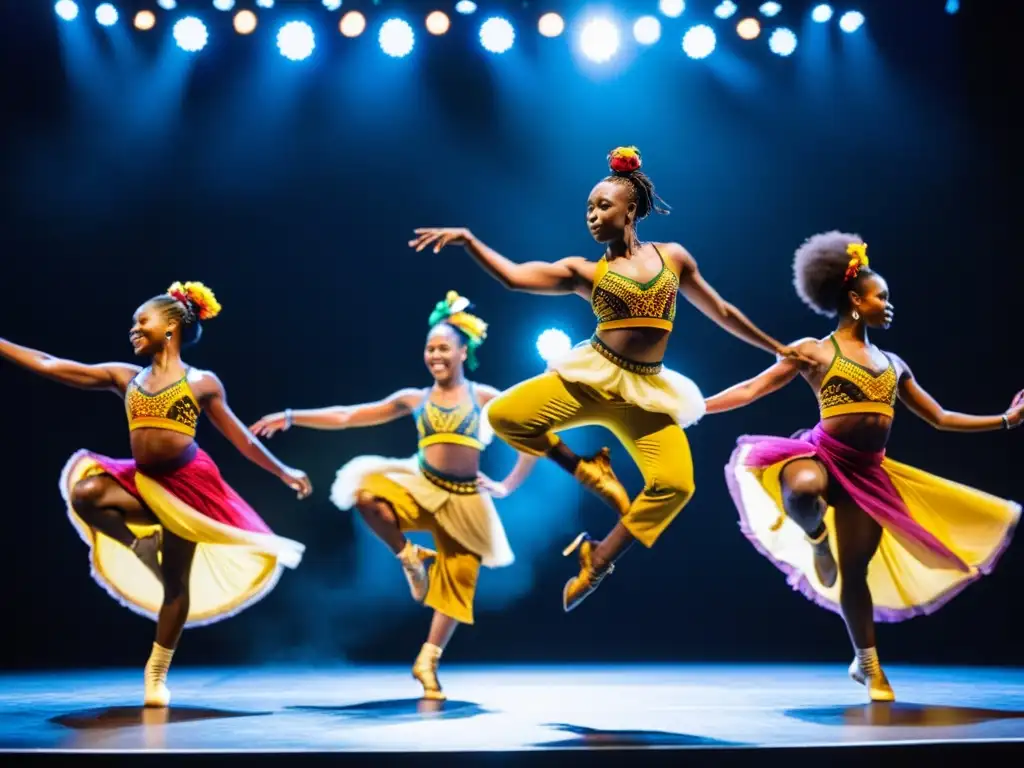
[168, 538]
[855, 531]
[617, 378]
[440, 490]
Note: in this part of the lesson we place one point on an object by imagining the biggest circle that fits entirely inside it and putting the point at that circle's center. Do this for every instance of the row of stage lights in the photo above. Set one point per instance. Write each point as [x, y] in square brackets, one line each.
[599, 37]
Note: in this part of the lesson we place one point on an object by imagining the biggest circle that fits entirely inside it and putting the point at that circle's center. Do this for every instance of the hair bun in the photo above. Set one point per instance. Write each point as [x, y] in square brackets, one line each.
[198, 298]
[624, 160]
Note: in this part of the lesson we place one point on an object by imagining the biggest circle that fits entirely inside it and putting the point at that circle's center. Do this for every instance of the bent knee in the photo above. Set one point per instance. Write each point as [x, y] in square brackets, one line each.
[87, 493]
[805, 480]
[507, 420]
[679, 490]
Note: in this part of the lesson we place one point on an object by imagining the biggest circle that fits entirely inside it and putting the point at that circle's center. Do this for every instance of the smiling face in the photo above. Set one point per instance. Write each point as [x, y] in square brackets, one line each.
[149, 330]
[445, 353]
[609, 211]
[871, 301]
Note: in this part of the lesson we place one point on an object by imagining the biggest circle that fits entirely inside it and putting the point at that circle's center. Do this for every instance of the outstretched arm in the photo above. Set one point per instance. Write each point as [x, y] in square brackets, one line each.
[698, 292]
[925, 406]
[215, 403]
[399, 404]
[769, 380]
[551, 278]
[112, 377]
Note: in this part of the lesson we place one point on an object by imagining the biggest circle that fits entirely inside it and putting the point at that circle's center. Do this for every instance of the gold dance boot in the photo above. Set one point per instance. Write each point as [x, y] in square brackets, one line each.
[868, 672]
[579, 587]
[156, 691]
[411, 557]
[425, 670]
[595, 474]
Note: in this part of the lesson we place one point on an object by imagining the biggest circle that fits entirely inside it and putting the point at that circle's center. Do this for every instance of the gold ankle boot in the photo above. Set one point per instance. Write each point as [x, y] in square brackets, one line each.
[156, 693]
[579, 587]
[424, 669]
[412, 557]
[874, 680]
[595, 474]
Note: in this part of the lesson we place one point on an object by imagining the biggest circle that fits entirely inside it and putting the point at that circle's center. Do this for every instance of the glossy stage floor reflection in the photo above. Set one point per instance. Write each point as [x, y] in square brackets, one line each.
[507, 708]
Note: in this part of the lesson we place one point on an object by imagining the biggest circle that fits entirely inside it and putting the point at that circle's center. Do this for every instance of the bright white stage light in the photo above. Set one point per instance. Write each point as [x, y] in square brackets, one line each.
[551, 25]
[245, 22]
[552, 344]
[296, 41]
[167, 5]
[265, 3]
[190, 34]
[782, 41]
[396, 38]
[332, 5]
[145, 20]
[749, 29]
[770, 9]
[821, 13]
[106, 14]
[647, 30]
[497, 35]
[465, 7]
[851, 21]
[66, 9]
[672, 8]
[599, 40]
[352, 24]
[438, 23]
[224, 5]
[699, 41]
[725, 9]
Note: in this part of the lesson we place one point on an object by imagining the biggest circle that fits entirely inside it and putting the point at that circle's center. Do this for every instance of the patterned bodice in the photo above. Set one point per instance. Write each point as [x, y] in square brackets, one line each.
[849, 387]
[621, 302]
[458, 424]
[175, 407]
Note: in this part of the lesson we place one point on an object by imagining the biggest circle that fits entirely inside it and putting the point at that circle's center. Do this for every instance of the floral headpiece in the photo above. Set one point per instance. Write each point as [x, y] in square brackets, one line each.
[624, 160]
[197, 298]
[858, 253]
[453, 312]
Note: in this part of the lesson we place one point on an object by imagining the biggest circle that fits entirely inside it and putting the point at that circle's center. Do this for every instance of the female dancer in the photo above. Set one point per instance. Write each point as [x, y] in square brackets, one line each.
[441, 491]
[906, 542]
[616, 379]
[168, 537]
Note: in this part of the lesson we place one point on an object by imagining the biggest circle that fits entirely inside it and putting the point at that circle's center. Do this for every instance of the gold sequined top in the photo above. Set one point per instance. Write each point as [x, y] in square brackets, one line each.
[621, 302]
[174, 407]
[458, 424]
[849, 387]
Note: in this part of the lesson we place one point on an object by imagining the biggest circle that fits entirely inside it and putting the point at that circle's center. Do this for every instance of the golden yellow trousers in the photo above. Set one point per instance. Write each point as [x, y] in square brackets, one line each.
[529, 415]
[454, 572]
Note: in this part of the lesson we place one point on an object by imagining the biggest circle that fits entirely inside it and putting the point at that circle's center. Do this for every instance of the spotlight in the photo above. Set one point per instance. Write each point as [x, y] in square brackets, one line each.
[770, 9]
[551, 25]
[952, 6]
[821, 13]
[396, 38]
[224, 5]
[749, 29]
[465, 7]
[167, 5]
[672, 8]
[265, 3]
[552, 344]
[599, 40]
[66, 9]
[145, 20]
[106, 14]
[647, 30]
[352, 24]
[438, 23]
[332, 5]
[782, 41]
[296, 41]
[725, 9]
[497, 35]
[699, 41]
[245, 22]
[190, 34]
[851, 21]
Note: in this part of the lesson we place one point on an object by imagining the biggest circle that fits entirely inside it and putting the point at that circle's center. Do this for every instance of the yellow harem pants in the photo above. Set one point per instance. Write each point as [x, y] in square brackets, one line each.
[529, 415]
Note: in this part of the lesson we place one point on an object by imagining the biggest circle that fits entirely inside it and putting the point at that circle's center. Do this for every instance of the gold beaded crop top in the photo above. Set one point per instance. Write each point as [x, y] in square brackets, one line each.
[621, 302]
[175, 407]
[456, 425]
[849, 387]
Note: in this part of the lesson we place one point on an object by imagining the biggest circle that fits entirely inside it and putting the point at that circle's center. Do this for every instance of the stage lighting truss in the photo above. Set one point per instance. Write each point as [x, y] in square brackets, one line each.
[695, 29]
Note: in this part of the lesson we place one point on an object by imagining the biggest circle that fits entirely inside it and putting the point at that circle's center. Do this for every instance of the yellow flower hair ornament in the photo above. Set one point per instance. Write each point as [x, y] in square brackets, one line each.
[858, 253]
[198, 297]
[624, 160]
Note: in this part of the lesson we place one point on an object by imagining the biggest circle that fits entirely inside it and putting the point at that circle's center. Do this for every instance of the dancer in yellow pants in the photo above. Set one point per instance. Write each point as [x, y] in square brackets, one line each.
[617, 378]
[441, 490]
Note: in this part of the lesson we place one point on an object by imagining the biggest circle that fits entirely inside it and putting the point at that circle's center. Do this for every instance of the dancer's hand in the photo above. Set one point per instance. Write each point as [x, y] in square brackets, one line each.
[492, 488]
[297, 480]
[268, 426]
[792, 353]
[440, 237]
[1018, 399]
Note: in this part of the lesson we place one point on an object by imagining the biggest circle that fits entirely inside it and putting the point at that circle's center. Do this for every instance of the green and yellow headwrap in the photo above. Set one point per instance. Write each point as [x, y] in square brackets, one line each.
[453, 312]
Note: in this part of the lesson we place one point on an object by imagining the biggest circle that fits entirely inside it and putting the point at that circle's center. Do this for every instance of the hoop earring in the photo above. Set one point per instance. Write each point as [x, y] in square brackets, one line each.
[855, 315]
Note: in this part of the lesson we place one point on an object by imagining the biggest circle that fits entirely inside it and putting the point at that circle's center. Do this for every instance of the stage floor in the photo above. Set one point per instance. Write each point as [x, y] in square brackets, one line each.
[506, 708]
